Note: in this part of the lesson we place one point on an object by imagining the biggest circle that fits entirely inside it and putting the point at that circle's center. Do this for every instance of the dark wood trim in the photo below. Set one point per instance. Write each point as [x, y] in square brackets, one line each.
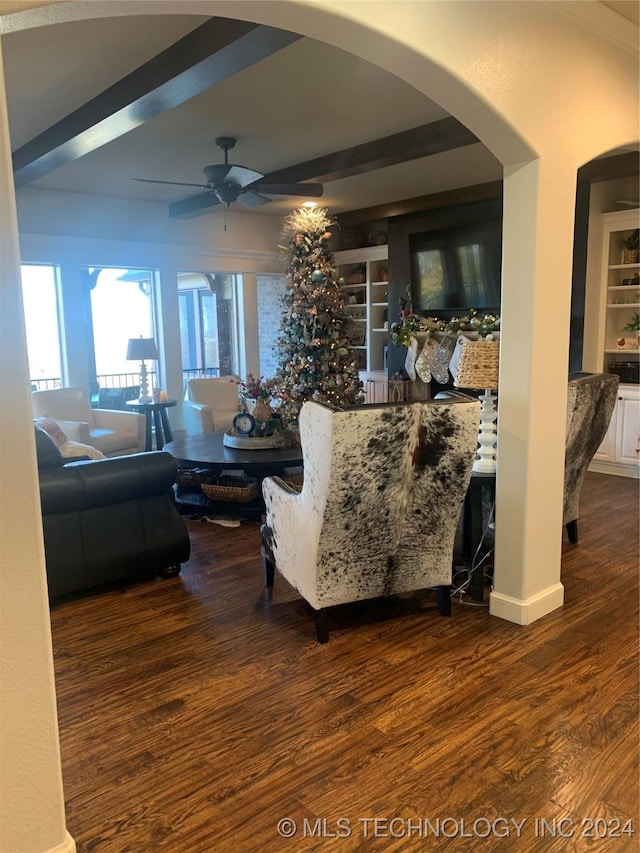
[443, 135]
[610, 168]
[448, 198]
[579, 275]
[213, 52]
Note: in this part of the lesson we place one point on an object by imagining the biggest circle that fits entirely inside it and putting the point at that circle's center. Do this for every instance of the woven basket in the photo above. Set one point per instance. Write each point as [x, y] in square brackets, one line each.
[230, 489]
[296, 481]
[479, 365]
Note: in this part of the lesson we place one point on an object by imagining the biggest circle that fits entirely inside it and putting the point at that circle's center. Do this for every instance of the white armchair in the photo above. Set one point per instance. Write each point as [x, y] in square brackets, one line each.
[210, 405]
[114, 433]
[383, 491]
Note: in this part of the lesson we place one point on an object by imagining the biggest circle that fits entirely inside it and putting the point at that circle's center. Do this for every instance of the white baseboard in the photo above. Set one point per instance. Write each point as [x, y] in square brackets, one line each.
[526, 611]
[615, 468]
[67, 846]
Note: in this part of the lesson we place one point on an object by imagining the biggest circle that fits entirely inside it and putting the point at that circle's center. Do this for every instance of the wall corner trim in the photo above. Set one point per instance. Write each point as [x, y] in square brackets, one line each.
[67, 846]
[528, 610]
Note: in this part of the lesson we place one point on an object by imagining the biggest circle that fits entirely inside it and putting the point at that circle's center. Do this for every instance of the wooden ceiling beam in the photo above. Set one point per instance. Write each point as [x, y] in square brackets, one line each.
[213, 52]
[448, 198]
[443, 135]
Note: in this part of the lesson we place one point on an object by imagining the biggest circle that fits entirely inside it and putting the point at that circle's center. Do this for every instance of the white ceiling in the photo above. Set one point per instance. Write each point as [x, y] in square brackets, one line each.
[305, 101]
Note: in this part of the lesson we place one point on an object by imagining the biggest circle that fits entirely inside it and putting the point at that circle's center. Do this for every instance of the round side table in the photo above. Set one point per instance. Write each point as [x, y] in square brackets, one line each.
[155, 415]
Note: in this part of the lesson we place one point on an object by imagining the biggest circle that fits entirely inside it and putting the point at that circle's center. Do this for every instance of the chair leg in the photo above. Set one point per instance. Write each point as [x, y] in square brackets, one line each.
[444, 600]
[322, 626]
[572, 530]
[269, 571]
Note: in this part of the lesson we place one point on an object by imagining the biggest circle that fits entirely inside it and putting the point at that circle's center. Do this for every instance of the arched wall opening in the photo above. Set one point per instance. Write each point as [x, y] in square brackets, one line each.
[475, 59]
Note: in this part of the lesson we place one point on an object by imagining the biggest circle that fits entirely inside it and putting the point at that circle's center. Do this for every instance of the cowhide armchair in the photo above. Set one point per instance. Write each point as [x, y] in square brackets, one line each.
[382, 495]
[590, 403]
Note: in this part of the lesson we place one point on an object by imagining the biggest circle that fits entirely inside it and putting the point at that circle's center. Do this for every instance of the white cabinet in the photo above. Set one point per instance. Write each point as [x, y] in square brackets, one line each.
[619, 453]
[363, 277]
[628, 427]
[375, 385]
[617, 348]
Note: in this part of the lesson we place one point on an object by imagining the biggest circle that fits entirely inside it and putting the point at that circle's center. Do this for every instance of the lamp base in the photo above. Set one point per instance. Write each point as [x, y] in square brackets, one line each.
[488, 435]
[145, 396]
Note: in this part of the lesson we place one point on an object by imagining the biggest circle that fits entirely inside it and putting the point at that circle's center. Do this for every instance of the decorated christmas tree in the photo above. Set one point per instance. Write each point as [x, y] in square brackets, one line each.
[316, 359]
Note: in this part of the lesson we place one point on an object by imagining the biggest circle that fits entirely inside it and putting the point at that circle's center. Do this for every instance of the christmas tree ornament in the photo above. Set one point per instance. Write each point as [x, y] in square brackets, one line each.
[317, 276]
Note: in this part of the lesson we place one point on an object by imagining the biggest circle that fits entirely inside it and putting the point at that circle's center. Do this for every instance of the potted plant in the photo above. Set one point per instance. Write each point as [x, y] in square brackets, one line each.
[257, 393]
[634, 326]
[631, 247]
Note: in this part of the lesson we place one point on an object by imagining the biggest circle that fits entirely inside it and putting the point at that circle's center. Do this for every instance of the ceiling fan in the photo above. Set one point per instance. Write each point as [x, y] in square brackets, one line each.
[228, 183]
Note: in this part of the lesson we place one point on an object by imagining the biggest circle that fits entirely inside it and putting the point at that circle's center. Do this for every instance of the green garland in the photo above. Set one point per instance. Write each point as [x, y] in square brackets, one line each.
[483, 324]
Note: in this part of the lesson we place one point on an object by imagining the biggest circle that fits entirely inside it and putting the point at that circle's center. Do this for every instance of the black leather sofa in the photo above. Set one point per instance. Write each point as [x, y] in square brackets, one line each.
[108, 520]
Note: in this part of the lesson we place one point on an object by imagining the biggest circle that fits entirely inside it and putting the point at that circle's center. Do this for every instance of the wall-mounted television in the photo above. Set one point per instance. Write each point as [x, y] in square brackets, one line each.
[456, 269]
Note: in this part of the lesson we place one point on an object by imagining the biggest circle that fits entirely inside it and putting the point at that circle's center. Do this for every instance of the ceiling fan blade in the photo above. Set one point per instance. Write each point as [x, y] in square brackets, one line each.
[314, 190]
[252, 199]
[173, 183]
[216, 173]
[193, 205]
[240, 176]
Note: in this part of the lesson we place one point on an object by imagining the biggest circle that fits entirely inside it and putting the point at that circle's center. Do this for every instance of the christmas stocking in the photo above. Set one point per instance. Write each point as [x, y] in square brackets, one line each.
[410, 360]
[455, 358]
[425, 361]
[441, 359]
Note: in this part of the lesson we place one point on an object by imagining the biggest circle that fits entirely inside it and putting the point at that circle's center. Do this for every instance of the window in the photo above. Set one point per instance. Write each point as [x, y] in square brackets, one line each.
[40, 299]
[208, 323]
[121, 308]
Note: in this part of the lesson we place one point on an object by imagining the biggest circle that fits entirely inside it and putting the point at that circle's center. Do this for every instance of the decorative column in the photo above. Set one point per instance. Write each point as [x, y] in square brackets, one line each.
[31, 795]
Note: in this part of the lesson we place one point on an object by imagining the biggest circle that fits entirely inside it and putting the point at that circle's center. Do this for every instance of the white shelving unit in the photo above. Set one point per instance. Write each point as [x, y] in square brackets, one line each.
[618, 350]
[363, 275]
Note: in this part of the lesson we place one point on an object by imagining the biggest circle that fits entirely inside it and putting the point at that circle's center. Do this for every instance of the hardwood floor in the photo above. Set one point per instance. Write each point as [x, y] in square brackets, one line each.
[195, 714]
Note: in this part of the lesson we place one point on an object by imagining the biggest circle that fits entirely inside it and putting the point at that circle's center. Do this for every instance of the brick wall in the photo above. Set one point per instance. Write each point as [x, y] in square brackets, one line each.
[270, 290]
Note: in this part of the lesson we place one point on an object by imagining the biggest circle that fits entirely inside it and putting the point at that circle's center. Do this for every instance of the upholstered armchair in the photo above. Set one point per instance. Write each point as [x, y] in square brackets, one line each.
[210, 405]
[383, 490]
[590, 403]
[113, 433]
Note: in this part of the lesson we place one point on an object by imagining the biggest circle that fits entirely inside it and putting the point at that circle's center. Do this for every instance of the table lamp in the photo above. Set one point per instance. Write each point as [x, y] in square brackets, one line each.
[141, 349]
[478, 369]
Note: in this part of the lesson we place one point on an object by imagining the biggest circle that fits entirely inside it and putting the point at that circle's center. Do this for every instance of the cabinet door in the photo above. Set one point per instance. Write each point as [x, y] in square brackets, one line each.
[375, 386]
[628, 433]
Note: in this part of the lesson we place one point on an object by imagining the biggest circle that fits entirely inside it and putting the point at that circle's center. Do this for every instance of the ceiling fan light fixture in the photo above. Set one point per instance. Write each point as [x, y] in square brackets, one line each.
[310, 204]
[227, 195]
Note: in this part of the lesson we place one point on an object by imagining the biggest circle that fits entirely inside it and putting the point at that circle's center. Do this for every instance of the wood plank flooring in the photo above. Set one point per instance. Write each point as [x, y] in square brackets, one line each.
[195, 713]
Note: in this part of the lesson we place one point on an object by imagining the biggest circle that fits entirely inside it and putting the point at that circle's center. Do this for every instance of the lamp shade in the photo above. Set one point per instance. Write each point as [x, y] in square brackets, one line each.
[479, 365]
[140, 349]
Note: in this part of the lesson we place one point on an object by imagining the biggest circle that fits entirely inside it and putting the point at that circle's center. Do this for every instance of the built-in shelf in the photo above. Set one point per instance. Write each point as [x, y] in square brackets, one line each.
[620, 450]
[365, 271]
[623, 304]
